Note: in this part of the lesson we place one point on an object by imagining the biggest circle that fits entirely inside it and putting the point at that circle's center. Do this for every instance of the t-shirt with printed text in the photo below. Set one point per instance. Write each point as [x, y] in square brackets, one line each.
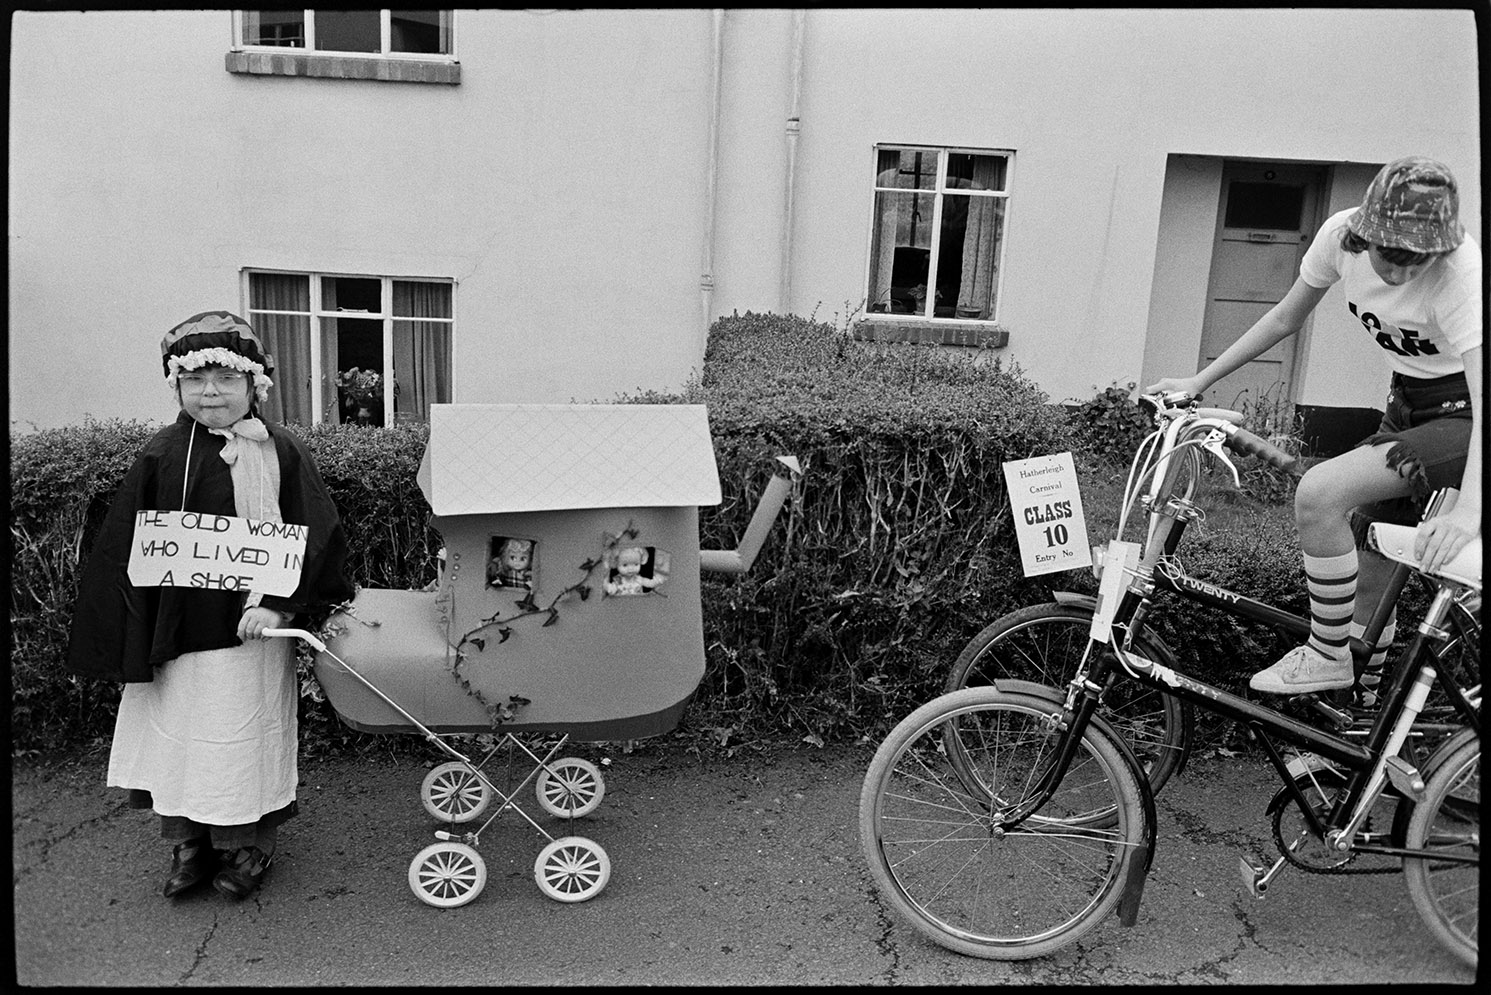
[1424, 326]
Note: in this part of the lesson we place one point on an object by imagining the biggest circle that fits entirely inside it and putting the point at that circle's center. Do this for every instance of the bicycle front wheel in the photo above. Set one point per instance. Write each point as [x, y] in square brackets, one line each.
[1043, 643]
[943, 862]
[1448, 821]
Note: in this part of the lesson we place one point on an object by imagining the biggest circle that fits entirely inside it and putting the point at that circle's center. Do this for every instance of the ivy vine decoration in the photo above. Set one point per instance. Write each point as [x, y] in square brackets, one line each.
[329, 629]
[500, 712]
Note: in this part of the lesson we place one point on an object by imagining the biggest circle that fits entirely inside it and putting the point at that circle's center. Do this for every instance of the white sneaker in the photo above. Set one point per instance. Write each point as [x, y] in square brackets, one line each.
[1302, 670]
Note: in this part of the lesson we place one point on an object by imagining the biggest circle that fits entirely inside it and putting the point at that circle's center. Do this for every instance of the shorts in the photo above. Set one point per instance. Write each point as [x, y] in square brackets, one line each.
[1428, 422]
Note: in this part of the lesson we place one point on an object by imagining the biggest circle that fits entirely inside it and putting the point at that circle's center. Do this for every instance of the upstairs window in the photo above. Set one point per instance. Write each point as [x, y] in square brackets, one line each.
[939, 232]
[371, 350]
[382, 33]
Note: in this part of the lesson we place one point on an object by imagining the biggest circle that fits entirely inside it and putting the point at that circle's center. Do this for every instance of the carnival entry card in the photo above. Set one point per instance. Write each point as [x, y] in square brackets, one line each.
[216, 553]
[1047, 506]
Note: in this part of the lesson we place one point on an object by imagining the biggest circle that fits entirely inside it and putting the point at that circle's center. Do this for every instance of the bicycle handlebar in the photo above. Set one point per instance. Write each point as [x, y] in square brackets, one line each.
[1238, 438]
[1178, 402]
[1243, 441]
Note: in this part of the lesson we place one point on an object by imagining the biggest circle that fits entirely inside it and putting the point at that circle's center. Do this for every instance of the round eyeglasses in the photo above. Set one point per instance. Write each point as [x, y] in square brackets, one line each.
[223, 380]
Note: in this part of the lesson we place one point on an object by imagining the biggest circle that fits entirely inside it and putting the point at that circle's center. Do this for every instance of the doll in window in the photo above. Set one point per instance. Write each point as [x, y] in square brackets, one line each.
[626, 575]
[513, 565]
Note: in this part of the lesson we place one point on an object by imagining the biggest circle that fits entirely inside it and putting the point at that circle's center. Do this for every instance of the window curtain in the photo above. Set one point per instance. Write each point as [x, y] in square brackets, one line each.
[883, 251]
[981, 239]
[331, 397]
[287, 338]
[421, 349]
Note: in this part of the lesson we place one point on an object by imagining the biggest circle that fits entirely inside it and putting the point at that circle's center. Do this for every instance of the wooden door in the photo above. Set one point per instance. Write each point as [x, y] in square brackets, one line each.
[1268, 214]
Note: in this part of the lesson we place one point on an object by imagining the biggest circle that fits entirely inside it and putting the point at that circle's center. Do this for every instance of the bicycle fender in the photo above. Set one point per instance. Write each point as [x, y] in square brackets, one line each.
[1133, 885]
[1075, 598]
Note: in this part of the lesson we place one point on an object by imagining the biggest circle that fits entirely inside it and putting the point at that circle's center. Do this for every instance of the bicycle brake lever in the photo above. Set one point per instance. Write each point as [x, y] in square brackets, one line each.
[1213, 444]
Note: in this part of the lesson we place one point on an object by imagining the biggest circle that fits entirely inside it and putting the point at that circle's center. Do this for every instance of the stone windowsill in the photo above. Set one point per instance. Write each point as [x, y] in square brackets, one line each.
[946, 331]
[342, 67]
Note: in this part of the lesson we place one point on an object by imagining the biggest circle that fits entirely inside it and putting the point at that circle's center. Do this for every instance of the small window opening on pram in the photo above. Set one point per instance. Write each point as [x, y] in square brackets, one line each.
[635, 570]
[510, 562]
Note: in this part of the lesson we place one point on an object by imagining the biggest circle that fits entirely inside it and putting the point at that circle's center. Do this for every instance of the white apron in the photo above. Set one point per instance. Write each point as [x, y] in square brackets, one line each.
[213, 737]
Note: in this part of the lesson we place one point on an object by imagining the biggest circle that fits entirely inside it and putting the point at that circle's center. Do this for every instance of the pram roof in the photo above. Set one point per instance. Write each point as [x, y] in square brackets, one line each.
[501, 458]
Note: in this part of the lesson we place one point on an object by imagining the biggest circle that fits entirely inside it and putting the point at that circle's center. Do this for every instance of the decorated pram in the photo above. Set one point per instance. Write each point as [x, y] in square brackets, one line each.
[567, 607]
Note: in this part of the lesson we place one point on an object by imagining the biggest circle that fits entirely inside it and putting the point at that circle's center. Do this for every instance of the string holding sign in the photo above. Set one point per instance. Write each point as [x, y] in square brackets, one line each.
[216, 552]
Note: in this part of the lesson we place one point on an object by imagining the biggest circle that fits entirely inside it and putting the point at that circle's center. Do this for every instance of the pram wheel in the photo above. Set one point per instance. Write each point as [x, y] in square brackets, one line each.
[572, 869]
[453, 793]
[446, 875]
[570, 787]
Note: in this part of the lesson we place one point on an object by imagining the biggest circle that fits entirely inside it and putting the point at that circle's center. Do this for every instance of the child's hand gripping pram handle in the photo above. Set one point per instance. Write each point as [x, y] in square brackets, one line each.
[320, 647]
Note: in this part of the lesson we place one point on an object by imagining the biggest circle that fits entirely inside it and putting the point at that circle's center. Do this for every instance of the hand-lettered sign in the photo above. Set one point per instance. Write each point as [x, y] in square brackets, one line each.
[216, 552]
[1047, 505]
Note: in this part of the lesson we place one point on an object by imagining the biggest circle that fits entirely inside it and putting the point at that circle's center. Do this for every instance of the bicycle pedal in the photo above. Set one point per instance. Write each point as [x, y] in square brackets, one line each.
[1405, 777]
[1254, 875]
[1313, 704]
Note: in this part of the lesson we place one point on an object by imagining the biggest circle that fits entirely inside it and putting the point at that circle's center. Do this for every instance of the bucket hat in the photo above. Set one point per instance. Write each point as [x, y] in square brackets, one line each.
[1412, 203]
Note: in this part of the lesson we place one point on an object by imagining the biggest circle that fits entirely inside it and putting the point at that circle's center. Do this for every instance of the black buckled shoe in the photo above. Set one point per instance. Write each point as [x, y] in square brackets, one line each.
[243, 870]
[191, 863]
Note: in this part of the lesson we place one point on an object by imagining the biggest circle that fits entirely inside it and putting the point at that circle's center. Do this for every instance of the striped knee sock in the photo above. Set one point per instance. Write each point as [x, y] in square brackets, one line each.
[1372, 675]
[1332, 583]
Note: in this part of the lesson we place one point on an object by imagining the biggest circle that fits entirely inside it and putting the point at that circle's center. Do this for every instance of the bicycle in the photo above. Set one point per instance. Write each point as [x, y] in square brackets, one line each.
[1042, 642]
[1009, 820]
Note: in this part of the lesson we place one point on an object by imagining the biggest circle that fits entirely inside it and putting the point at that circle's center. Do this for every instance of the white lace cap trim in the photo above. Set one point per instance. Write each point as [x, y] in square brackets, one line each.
[218, 356]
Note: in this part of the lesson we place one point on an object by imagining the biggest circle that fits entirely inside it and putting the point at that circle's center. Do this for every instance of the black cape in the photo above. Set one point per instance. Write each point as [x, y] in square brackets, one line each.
[121, 632]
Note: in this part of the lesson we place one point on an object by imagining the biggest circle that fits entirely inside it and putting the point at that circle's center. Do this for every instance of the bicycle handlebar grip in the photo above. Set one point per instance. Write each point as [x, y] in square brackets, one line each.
[1249, 444]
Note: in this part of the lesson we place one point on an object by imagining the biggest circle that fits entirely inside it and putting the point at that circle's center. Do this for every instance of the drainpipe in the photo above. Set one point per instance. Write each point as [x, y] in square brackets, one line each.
[706, 280]
[794, 125]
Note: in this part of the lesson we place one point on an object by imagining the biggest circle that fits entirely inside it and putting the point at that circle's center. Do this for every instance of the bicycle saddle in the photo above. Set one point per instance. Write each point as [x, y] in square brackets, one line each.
[1396, 543]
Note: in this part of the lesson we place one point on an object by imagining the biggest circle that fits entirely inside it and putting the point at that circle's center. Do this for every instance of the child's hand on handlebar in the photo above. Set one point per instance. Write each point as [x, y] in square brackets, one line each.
[1171, 385]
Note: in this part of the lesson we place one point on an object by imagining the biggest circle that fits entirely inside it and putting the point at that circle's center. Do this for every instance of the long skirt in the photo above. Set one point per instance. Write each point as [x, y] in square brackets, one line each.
[213, 737]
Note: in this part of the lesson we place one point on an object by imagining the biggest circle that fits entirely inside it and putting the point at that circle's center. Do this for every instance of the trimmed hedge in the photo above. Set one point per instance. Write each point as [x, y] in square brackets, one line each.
[896, 547]
[899, 542]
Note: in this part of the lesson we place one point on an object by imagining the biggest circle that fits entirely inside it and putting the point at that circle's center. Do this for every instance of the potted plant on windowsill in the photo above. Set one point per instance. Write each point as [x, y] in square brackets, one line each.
[362, 394]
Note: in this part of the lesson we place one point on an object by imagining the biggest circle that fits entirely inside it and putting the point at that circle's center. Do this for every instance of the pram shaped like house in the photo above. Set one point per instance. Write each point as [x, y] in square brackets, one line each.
[567, 606]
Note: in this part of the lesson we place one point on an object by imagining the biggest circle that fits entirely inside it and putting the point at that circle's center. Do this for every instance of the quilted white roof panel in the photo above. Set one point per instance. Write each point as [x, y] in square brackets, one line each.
[492, 458]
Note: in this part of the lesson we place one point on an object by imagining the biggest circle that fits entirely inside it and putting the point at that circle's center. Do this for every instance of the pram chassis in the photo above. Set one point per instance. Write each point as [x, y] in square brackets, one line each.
[450, 872]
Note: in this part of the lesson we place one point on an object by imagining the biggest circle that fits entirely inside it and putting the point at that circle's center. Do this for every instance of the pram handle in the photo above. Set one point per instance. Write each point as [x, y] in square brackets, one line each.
[298, 634]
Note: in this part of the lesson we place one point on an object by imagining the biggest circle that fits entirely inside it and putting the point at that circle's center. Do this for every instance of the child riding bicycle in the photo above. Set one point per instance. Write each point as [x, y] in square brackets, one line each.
[1412, 277]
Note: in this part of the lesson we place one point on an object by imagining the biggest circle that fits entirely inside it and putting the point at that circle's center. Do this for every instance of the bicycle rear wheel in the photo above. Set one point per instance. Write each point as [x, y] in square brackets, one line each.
[942, 862]
[1448, 820]
[1043, 643]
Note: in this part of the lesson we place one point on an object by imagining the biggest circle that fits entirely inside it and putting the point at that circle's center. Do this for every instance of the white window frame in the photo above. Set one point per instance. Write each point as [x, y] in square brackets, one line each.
[938, 192]
[318, 313]
[385, 40]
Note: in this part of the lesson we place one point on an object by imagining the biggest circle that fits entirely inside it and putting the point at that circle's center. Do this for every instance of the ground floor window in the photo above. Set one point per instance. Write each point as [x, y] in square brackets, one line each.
[370, 350]
[938, 233]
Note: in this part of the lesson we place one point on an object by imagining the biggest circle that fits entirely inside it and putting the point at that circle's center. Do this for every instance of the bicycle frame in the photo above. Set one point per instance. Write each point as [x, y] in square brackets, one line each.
[1169, 514]
[1374, 764]
[1170, 576]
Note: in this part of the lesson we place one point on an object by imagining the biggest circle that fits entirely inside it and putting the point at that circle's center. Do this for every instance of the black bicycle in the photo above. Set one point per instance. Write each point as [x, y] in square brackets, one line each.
[1009, 820]
[1044, 642]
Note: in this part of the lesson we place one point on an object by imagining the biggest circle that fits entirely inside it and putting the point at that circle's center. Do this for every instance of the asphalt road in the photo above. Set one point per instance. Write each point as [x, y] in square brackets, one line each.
[726, 870]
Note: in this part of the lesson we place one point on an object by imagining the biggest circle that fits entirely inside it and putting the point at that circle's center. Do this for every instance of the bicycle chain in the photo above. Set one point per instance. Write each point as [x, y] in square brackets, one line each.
[1347, 859]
